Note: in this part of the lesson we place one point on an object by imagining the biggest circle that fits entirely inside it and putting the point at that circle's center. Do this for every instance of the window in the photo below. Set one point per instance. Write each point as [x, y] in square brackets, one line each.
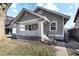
[26, 27]
[34, 26]
[14, 31]
[31, 27]
[53, 26]
[22, 27]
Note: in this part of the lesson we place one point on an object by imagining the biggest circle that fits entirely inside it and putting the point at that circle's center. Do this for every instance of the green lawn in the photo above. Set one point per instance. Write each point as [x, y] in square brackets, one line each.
[20, 48]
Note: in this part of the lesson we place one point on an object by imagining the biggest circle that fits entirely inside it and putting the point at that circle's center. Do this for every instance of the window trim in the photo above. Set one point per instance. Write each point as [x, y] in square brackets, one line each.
[50, 25]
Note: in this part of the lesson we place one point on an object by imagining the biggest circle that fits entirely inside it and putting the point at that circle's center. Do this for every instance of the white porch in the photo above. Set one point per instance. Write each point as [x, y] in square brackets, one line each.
[39, 32]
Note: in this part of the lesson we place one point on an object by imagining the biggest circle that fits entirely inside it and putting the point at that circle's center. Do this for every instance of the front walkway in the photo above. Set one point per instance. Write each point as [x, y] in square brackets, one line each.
[67, 49]
[61, 49]
[73, 48]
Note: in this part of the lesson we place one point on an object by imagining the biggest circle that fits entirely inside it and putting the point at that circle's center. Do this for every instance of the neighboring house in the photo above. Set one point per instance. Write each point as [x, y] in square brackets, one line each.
[75, 31]
[8, 25]
[76, 20]
[42, 23]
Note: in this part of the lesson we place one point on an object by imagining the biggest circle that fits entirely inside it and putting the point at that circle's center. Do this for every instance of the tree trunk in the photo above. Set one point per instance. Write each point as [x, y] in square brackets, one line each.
[2, 23]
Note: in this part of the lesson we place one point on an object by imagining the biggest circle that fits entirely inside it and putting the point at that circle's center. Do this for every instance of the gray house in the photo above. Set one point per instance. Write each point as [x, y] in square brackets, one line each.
[76, 20]
[42, 23]
[75, 31]
[8, 25]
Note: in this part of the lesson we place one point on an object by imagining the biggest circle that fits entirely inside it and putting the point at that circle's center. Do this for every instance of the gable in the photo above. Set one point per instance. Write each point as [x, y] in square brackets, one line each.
[50, 16]
[53, 13]
[27, 16]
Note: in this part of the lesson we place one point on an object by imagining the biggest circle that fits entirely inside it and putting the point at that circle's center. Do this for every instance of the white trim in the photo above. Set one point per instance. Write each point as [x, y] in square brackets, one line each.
[40, 30]
[30, 21]
[56, 35]
[50, 25]
[14, 31]
[33, 21]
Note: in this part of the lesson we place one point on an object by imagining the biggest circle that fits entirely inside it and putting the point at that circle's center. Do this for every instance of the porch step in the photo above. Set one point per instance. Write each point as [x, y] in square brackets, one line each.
[50, 42]
[45, 41]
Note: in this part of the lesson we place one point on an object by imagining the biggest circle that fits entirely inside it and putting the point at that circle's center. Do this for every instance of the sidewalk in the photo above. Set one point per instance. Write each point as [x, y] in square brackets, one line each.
[61, 49]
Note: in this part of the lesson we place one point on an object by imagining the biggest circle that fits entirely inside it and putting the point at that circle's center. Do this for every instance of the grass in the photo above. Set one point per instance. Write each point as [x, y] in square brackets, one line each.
[19, 48]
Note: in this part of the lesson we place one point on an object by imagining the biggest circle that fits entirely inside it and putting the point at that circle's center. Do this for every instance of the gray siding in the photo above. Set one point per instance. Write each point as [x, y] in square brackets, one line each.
[28, 16]
[25, 32]
[46, 28]
[77, 22]
[54, 17]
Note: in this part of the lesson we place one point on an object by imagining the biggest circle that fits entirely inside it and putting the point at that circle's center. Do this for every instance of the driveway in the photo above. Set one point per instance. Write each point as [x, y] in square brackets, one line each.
[67, 49]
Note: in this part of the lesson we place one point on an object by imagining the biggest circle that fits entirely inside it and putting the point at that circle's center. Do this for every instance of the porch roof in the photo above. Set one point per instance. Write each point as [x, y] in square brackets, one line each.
[32, 21]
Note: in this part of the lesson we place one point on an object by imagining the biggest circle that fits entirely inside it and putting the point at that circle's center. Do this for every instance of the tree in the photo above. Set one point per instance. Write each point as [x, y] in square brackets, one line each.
[3, 9]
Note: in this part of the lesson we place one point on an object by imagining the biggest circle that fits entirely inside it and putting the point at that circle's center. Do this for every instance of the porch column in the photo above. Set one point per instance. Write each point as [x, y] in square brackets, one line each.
[40, 29]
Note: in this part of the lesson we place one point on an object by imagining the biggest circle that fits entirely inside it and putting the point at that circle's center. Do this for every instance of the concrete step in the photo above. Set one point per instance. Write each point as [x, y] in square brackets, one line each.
[50, 42]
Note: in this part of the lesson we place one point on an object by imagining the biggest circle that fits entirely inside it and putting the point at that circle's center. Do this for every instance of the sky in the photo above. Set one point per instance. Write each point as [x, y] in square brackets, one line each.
[69, 9]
